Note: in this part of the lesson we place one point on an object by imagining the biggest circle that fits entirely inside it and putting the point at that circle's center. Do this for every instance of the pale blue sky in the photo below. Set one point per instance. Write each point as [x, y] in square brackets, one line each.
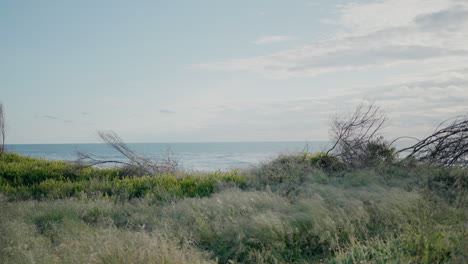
[190, 71]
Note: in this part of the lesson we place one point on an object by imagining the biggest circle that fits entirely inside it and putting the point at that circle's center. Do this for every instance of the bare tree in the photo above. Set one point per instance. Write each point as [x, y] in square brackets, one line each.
[2, 130]
[447, 145]
[358, 134]
[136, 164]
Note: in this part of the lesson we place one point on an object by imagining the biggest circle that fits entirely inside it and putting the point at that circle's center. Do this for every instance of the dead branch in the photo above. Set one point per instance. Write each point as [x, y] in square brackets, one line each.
[402, 137]
[137, 165]
[446, 146]
[112, 139]
[86, 160]
[353, 134]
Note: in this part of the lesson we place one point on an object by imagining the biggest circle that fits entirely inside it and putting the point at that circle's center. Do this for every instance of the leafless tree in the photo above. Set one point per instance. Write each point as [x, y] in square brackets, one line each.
[447, 145]
[137, 165]
[2, 129]
[354, 136]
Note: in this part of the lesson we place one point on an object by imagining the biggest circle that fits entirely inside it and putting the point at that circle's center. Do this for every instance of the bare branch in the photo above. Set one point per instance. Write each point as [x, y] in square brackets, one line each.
[446, 146]
[112, 139]
[87, 160]
[352, 135]
[137, 165]
[402, 137]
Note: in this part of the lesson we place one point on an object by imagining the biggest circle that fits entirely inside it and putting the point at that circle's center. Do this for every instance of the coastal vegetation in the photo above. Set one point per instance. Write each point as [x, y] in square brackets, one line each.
[304, 208]
[359, 202]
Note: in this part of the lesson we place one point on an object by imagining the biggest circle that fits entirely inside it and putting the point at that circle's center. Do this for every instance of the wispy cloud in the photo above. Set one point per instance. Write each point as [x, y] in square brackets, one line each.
[381, 34]
[50, 117]
[47, 117]
[415, 105]
[166, 111]
[271, 39]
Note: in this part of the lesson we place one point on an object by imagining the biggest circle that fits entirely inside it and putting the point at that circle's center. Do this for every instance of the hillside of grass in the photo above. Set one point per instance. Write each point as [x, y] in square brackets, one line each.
[295, 209]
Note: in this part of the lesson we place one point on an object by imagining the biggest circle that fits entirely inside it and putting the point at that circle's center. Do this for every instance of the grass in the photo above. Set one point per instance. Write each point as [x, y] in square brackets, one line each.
[26, 178]
[295, 209]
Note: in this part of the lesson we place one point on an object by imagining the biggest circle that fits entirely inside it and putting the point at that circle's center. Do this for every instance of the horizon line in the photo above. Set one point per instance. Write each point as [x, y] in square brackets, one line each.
[174, 142]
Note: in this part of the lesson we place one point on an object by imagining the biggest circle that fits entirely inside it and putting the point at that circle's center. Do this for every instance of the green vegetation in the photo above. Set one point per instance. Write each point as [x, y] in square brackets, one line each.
[305, 208]
[24, 178]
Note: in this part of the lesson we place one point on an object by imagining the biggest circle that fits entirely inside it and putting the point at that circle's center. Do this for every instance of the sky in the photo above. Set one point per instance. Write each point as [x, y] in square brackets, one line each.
[223, 70]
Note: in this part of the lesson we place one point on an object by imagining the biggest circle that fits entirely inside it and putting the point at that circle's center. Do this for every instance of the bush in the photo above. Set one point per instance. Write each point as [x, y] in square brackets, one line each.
[164, 187]
[16, 170]
[326, 161]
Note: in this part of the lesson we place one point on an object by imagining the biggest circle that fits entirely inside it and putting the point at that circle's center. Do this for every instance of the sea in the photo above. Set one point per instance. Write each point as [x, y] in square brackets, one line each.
[209, 156]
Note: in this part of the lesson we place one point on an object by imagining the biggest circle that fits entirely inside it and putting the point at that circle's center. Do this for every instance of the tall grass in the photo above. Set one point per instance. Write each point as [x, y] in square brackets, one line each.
[295, 209]
[76, 232]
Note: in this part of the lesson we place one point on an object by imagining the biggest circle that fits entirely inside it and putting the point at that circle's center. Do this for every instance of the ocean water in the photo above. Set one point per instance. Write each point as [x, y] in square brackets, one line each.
[191, 156]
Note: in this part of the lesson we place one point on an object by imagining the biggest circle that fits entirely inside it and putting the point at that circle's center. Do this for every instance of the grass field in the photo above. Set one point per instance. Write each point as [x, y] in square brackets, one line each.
[290, 210]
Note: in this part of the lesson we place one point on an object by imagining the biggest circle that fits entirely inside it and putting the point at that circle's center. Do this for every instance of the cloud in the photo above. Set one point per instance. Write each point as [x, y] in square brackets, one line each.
[47, 117]
[166, 111]
[379, 34]
[50, 117]
[424, 38]
[415, 105]
[271, 39]
[444, 20]
[418, 103]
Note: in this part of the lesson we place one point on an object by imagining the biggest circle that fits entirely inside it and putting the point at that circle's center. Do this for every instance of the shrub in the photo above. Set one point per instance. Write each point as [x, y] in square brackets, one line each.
[165, 187]
[326, 161]
[16, 170]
